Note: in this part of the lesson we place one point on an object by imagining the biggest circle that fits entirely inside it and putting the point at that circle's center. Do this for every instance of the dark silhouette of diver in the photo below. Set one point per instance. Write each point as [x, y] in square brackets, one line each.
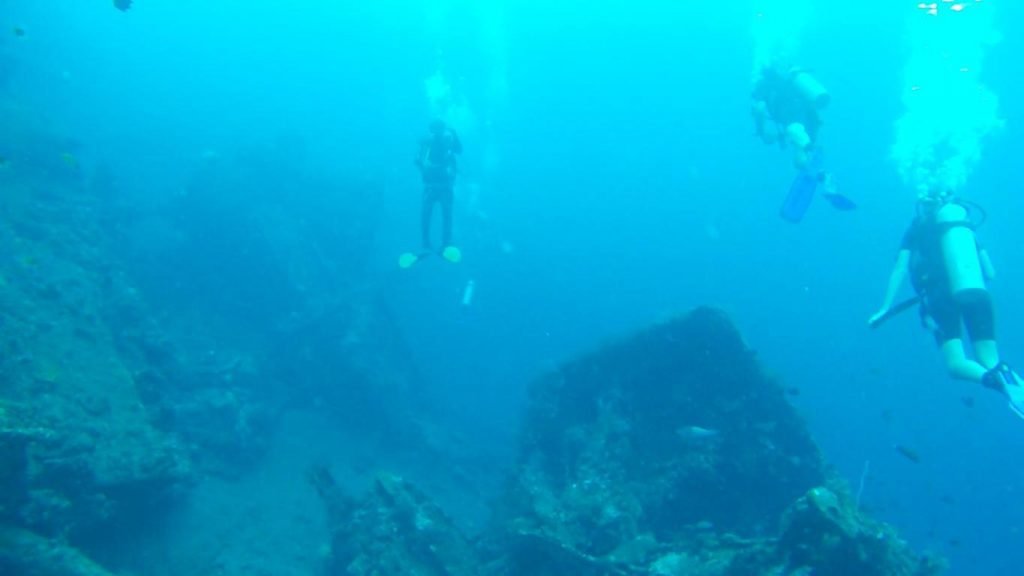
[786, 106]
[787, 110]
[949, 271]
[438, 166]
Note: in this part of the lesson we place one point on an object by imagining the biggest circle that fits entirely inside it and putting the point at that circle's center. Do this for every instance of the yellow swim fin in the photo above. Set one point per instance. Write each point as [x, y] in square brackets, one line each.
[407, 259]
[452, 254]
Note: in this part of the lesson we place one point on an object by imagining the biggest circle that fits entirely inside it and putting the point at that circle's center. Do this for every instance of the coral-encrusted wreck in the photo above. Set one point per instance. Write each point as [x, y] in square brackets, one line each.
[669, 453]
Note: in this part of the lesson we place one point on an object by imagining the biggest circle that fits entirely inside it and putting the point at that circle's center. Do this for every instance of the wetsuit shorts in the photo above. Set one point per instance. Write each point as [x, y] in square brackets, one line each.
[949, 318]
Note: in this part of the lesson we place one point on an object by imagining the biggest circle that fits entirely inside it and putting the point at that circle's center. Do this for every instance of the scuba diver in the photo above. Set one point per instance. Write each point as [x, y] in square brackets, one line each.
[787, 107]
[948, 270]
[787, 110]
[437, 165]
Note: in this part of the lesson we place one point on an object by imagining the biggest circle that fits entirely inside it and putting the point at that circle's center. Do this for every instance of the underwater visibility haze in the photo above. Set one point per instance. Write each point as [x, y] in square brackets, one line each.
[510, 287]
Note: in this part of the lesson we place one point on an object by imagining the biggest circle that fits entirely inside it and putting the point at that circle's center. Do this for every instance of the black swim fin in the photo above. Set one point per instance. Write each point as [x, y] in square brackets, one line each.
[840, 202]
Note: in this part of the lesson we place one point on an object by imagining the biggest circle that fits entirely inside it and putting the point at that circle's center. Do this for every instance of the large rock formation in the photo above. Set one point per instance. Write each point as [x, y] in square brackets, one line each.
[83, 464]
[671, 429]
[395, 529]
[670, 454]
[149, 346]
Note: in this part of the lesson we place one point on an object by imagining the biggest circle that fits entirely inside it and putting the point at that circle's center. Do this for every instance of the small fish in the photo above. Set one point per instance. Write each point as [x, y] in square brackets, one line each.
[793, 391]
[123, 5]
[908, 453]
[887, 415]
[967, 401]
[19, 31]
[696, 433]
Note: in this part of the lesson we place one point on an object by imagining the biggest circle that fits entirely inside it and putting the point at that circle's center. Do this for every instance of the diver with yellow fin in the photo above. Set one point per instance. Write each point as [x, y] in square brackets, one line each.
[437, 164]
[949, 270]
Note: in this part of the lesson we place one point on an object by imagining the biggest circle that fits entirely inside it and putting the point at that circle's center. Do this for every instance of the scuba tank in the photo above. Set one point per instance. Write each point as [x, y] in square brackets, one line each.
[960, 252]
[812, 91]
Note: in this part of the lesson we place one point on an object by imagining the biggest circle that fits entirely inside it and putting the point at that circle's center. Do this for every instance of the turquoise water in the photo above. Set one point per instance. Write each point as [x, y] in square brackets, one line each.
[610, 179]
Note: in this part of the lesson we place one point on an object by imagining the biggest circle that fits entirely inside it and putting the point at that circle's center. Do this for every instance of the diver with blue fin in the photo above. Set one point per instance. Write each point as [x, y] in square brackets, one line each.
[437, 164]
[787, 108]
[948, 270]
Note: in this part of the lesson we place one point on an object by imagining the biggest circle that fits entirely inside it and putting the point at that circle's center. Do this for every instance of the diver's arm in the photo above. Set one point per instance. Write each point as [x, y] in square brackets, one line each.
[896, 278]
[986, 264]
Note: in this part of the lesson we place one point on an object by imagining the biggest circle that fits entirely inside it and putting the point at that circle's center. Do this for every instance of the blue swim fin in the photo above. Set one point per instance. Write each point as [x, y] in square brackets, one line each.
[801, 192]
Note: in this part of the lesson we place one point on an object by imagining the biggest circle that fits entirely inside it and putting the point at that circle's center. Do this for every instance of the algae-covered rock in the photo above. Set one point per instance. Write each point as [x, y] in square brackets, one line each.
[667, 454]
[534, 553]
[823, 531]
[395, 529]
[83, 462]
[672, 429]
[672, 453]
[27, 554]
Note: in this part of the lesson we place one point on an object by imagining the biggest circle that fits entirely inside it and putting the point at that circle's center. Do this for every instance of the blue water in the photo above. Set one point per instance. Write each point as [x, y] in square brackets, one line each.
[610, 179]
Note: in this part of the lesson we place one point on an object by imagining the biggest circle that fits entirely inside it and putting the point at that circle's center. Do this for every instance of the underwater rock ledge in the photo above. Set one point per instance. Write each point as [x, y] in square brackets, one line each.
[667, 453]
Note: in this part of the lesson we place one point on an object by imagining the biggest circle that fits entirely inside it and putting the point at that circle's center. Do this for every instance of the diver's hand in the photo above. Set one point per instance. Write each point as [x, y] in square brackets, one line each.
[877, 317]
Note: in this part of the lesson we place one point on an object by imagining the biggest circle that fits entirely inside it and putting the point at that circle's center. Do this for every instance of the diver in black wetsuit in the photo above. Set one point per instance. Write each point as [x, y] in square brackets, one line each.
[437, 164]
[786, 108]
[949, 270]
